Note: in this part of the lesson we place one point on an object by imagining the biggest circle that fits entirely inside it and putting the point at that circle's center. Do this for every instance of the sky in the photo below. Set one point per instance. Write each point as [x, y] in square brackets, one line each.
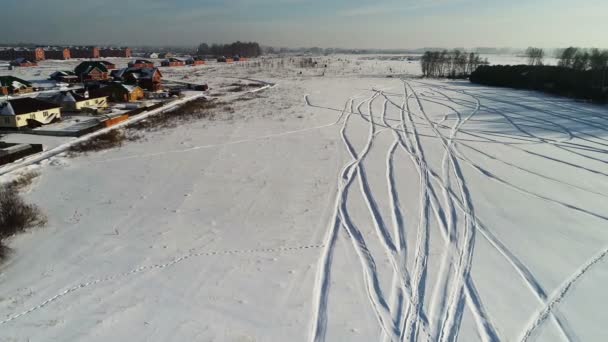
[306, 23]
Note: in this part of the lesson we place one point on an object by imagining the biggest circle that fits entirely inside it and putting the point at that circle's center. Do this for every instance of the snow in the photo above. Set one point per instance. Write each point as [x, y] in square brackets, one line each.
[309, 214]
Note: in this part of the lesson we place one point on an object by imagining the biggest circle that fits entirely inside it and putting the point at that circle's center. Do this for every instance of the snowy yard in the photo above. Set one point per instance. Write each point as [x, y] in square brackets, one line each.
[340, 205]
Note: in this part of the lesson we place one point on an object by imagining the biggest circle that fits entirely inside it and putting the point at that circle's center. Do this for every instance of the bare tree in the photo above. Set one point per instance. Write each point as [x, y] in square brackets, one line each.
[455, 64]
[535, 56]
[566, 59]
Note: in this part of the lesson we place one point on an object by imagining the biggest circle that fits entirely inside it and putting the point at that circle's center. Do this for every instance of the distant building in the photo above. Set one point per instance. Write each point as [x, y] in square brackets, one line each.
[119, 92]
[92, 71]
[141, 63]
[172, 62]
[65, 77]
[23, 62]
[10, 85]
[166, 55]
[23, 112]
[57, 53]
[36, 54]
[153, 55]
[84, 52]
[195, 61]
[115, 52]
[75, 101]
[146, 78]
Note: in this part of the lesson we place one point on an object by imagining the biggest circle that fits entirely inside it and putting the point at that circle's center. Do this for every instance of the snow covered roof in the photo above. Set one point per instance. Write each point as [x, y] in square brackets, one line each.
[88, 66]
[62, 73]
[14, 82]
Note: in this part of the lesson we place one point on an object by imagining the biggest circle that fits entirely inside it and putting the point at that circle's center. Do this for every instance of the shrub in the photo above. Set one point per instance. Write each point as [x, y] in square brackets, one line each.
[16, 216]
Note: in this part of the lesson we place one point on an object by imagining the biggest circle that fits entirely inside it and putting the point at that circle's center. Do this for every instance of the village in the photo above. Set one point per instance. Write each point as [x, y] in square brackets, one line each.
[74, 91]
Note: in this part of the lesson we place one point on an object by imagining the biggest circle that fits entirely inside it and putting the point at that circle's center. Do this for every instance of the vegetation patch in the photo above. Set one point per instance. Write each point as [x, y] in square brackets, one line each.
[558, 80]
[16, 215]
[23, 181]
[191, 111]
[111, 139]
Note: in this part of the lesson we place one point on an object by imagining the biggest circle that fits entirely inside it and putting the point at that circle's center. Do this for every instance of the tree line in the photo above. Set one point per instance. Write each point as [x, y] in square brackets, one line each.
[558, 80]
[243, 49]
[452, 64]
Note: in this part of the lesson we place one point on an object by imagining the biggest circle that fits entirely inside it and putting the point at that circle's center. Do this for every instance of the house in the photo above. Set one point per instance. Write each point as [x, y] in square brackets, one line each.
[195, 61]
[141, 63]
[84, 52]
[153, 55]
[36, 54]
[147, 78]
[28, 112]
[166, 55]
[13, 85]
[119, 92]
[115, 52]
[57, 53]
[22, 62]
[109, 65]
[76, 101]
[172, 62]
[92, 71]
[65, 77]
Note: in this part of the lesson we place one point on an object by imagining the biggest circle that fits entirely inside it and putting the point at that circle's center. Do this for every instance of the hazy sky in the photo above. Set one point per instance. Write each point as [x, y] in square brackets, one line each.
[293, 23]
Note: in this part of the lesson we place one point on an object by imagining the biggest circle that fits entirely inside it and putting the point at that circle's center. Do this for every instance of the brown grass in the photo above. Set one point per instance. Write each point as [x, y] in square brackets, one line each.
[191, 111]
[23, 181]
[111, 139]
[16, 216]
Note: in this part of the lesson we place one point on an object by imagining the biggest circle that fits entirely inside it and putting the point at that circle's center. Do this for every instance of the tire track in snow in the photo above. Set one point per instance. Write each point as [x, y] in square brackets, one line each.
[374, 291]
[415, 311]
[464, 289]
[452, 313]
[148, 268]
[323, 278]
[341, 218]
[519, 267]
[380, 229]
[540, 317]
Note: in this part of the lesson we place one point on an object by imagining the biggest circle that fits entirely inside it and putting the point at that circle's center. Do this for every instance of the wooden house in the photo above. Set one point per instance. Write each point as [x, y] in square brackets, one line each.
[119, 92]
[147, 78]
[109, 65]
[22, 62]
[65, 76]
[24, 112]
[194, 61]
[141, 63]
[76, 101]
[92, 71]
[10, 85]
[172, 62]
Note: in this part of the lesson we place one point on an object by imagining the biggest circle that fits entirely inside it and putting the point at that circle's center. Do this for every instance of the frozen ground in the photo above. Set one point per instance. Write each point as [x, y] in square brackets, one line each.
[343, 207]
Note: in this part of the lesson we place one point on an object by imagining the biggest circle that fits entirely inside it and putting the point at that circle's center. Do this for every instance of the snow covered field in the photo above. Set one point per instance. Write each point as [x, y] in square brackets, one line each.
[340, 205]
